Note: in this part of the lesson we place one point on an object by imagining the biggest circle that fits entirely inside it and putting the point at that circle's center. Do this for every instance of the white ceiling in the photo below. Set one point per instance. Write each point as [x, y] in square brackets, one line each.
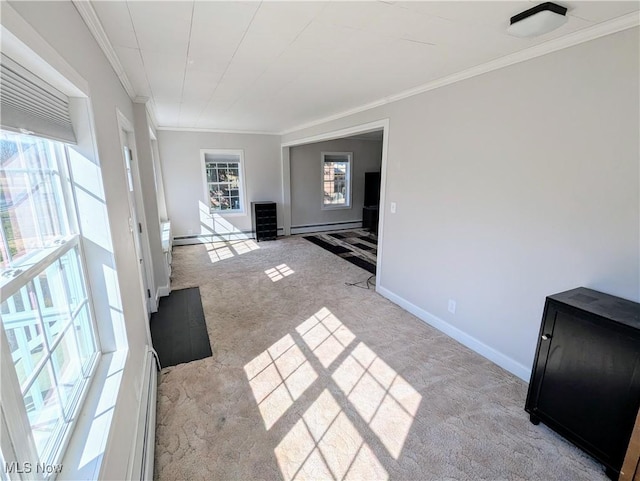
[271, 66]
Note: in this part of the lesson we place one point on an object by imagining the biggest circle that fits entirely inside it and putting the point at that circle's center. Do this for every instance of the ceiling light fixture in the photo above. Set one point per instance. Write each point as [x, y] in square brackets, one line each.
[538, 20]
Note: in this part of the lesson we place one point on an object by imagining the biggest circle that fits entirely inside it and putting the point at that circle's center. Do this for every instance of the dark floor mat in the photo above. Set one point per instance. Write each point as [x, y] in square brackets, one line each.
[178, 329]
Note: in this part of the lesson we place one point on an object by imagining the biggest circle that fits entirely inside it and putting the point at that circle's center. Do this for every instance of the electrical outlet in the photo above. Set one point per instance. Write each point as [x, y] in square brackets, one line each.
[393, 207]
[452, 306]
[189, 231]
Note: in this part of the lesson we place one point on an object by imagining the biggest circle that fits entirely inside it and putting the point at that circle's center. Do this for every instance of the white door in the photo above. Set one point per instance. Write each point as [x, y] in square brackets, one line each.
[136, 227]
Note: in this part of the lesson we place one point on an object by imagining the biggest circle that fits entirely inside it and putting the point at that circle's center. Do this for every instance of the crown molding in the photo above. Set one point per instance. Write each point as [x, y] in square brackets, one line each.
[150, 107]
[90, 17]
[590, 33]
[217, 131]
[382, 124]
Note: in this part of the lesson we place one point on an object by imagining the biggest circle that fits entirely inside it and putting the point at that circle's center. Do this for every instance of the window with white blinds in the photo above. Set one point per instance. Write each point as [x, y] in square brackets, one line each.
[45, 304]
[32, 106]
[49, 346]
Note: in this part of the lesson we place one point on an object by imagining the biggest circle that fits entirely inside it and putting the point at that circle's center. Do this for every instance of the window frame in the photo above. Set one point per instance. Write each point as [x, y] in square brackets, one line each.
[93, 428]
[27, 269]
[348, 180]
[241, 181]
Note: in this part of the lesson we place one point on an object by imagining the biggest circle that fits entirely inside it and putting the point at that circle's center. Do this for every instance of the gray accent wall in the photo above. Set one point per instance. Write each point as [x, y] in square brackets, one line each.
[182, 169]
[306, 177]
[510, 186]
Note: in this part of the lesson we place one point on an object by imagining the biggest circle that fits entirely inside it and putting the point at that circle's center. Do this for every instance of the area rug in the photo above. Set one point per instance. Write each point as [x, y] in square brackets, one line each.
[359, 247]
[178, 329]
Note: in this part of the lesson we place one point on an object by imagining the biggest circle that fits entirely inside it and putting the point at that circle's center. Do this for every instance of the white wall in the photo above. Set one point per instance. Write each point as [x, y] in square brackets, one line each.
[306, 186]
[184, 182]
[511, 186]
[62, 27]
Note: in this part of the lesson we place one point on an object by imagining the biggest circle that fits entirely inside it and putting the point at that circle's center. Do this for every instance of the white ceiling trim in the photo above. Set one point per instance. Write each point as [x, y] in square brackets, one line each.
[90, 17]
[340, 134]
[217, 131]
[139, 99]
[590, 33]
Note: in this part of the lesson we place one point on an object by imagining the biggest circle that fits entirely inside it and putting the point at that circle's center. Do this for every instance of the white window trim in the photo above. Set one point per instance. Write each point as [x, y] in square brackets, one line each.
[27, 269]
[324, 206]
[205, 185]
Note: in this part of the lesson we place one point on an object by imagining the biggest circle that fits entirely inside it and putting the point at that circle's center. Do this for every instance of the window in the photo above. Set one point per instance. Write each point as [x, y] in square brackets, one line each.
[224, 180]
[336, 179]
[46, 310]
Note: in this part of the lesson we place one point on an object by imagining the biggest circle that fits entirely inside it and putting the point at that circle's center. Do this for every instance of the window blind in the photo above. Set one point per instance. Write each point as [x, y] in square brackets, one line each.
[30, 105]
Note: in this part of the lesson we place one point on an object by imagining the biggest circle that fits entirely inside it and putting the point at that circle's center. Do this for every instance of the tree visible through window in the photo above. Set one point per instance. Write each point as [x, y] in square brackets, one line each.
[223, 171]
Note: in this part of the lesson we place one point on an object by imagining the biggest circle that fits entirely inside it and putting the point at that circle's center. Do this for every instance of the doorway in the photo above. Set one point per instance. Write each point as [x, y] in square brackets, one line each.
[357, 227]
[137, 222]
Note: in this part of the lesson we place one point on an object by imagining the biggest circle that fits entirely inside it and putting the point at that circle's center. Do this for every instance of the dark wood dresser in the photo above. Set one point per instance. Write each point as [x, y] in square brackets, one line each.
[585, 381]
[370, 218]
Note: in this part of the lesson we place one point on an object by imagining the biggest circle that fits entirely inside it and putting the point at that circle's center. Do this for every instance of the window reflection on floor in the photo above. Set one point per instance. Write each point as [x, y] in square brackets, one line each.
[324, 442]
[219, 251]
[279, 272]
[278, 377]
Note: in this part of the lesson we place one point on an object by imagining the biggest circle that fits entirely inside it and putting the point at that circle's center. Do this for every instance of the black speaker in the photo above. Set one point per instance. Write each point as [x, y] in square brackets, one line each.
[371, 189]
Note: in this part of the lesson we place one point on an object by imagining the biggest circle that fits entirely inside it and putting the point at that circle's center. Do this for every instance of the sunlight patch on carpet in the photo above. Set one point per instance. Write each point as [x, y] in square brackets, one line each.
[278, 377]
[279, 272]
[221, 250]
[325, 335]
[219, 253]
[324, 444]
[244, 246]
[383, 398]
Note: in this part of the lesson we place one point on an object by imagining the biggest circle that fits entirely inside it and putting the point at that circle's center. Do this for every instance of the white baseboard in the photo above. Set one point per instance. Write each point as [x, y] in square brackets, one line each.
[185, 240]
[162, 292]
[207, 239]
[462, 337]
[308, 229]
[141, 461]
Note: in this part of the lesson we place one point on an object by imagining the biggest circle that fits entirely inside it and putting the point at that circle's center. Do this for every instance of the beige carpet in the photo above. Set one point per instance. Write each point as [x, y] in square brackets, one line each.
[311, 379]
